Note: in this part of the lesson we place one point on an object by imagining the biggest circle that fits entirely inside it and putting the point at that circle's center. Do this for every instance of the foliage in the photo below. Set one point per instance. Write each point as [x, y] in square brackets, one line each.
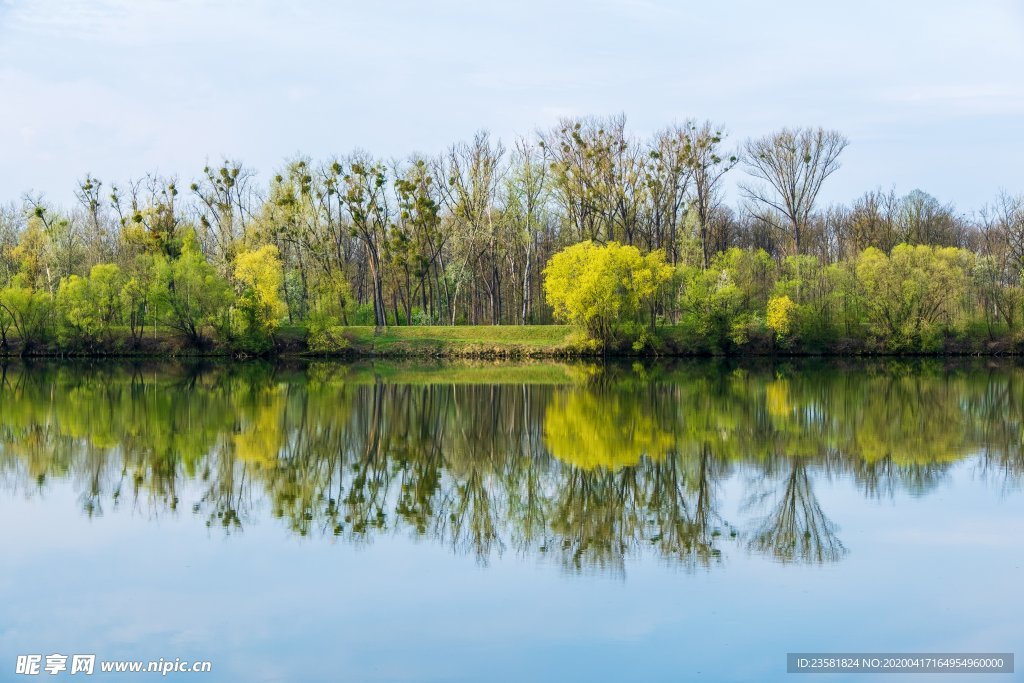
[606, 290]
[585, 431]
[590, 467]
[333, 306]
[260, 279]
[27, 310]
[912, 295]
[89, 307]
[188, 293]
[78, 319]
[780, 314]
[725, 302]
[634, 232]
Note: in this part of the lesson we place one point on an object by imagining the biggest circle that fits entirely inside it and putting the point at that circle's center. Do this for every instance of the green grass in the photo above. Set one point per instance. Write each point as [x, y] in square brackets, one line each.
[482, 340]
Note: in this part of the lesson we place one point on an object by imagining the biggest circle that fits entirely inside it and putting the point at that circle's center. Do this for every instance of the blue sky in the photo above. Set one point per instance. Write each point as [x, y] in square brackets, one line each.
[931, 94]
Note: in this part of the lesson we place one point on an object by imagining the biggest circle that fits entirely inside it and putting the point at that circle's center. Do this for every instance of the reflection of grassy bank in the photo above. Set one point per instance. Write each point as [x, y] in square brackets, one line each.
[458, 372]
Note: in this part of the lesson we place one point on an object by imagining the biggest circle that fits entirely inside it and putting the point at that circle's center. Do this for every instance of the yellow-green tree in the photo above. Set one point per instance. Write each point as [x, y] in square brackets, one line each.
[78, 319]
[260, 278]
[331, 305]
[781, 310]
[26, 310]
[606, 290]
[590, 430]
[32, 256]
[913, 294]
[89, 307]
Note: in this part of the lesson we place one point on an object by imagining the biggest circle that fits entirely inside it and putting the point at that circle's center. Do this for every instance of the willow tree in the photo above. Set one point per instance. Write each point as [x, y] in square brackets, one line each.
[915, 293]
[189, 292]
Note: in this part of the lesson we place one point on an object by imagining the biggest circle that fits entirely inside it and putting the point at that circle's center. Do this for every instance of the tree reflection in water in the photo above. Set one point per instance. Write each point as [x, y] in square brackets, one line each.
[587, 465]
[796, 528]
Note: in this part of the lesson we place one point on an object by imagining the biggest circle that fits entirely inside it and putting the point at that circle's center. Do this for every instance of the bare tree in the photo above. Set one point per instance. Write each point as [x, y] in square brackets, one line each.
[708, 163]
[922, 219]
[667, 176]
[226, 198]
[527, 191]
[364, 193]
[473, 173]
[871, 223]
[12, 222]
[794, 163]
[597, 177]
[101, 236]
[1003, 229]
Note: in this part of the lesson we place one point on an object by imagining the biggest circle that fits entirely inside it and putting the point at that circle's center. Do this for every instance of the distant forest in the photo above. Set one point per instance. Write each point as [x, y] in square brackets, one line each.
[465, 237]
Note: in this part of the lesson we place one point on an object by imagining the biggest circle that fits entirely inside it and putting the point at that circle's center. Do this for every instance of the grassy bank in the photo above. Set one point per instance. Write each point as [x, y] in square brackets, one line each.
[484, 341]
[481, 342]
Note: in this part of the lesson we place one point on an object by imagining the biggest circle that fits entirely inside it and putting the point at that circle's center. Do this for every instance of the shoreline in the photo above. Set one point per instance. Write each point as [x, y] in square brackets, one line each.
[487, 342]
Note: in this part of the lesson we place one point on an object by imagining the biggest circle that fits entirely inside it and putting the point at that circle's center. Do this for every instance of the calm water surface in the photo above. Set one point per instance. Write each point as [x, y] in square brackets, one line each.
[541, 522]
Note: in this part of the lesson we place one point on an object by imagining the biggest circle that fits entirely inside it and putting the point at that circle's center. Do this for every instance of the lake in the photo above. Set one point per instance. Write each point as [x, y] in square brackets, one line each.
[327, 521]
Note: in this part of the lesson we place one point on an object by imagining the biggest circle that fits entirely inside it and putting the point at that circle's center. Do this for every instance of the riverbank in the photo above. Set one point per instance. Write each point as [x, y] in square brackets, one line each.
[486, 341]
[466, 341]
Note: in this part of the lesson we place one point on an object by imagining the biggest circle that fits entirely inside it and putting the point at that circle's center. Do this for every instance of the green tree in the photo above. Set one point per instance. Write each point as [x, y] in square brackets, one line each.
[725, 303]
[28, 311]
[134, 297]
[913, 295]
[188, 292]
[89, 307]
[331, 307]
[79, 321]
[105, 283]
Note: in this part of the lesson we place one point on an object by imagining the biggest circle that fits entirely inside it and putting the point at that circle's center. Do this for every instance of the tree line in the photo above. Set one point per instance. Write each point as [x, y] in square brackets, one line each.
[464, 237]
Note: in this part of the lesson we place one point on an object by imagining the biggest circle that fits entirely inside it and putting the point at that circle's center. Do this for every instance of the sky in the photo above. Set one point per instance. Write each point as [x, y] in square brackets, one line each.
[929, 93]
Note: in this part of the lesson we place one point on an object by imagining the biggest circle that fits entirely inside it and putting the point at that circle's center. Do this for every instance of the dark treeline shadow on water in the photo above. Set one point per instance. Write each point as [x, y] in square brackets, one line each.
[585, 464]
